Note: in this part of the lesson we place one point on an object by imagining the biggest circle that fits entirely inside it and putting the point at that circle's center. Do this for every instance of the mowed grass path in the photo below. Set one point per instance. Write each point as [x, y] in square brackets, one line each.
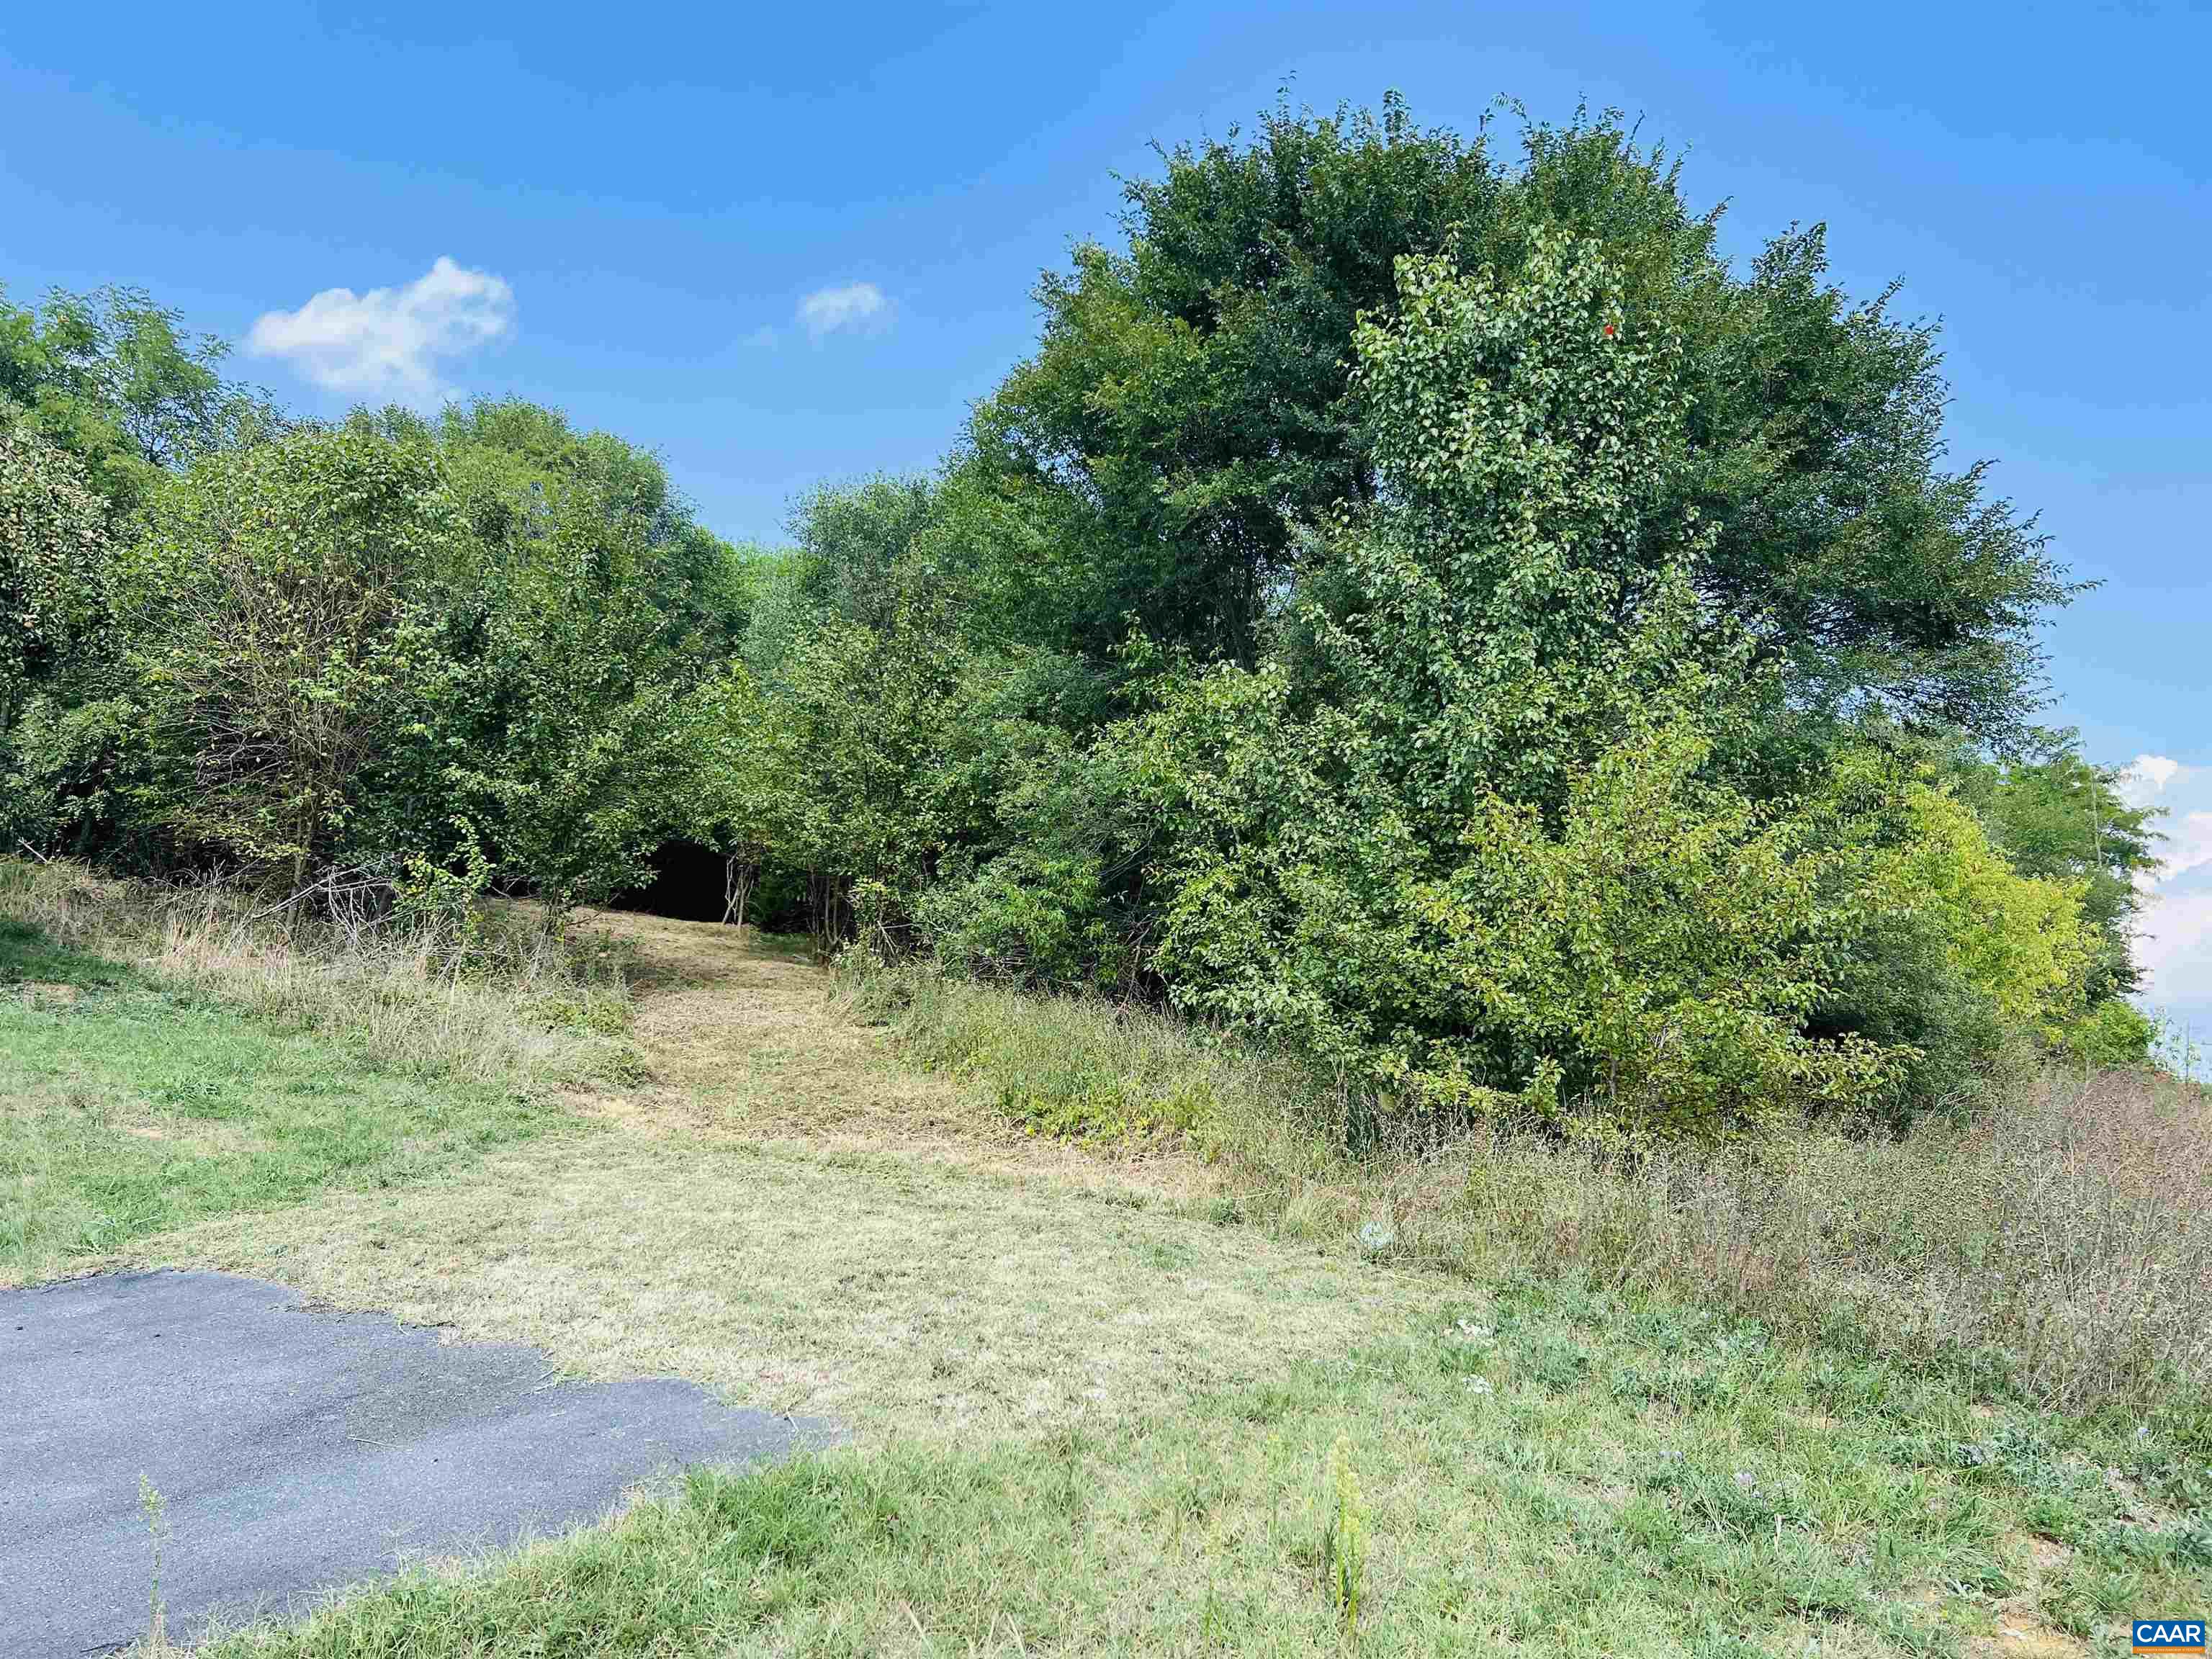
[1094, 1412]
[127, 1107]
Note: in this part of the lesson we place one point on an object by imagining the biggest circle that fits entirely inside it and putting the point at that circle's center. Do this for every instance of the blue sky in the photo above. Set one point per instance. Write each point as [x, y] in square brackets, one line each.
[638, 204]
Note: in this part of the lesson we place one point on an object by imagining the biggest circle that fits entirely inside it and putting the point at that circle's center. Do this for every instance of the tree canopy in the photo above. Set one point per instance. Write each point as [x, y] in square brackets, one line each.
[113, 379]
[1192, 404]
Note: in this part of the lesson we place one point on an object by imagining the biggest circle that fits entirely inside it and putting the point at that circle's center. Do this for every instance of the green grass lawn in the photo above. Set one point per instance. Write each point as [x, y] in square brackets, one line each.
[127, 1107]
[1540, 1470]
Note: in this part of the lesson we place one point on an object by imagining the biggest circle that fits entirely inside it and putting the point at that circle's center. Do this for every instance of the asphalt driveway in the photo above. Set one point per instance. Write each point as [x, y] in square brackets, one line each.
[294, 1450]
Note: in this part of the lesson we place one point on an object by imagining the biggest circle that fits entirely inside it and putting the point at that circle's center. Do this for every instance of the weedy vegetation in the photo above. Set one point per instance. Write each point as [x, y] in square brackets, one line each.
[2050, 1239]
[1535, 1465]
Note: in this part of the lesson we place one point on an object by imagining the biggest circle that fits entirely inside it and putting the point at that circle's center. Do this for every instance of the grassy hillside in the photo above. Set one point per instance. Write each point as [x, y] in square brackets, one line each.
[1201, 1387]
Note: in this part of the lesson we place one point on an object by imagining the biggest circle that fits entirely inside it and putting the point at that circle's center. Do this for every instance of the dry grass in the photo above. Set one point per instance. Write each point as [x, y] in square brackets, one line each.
[2058, 1243]
[131, 1103]
[1092, 1417]
[791, 1216]
[894, 1293]
[515, 1006]
[743, 1037]
[2060, 1238]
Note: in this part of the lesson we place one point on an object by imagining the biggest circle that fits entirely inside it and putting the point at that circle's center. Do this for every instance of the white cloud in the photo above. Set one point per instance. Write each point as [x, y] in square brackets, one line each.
[2175, 949]
[2145, 778]
[389, 342]
[2161, 781]
[2187, 843]
[2174, 941]
[855, 306]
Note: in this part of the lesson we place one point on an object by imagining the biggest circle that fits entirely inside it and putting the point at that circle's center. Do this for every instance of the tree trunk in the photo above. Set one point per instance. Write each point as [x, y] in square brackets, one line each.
[738, 877]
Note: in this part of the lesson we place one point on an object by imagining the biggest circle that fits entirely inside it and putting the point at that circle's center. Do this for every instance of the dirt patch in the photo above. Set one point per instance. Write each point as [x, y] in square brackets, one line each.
[2049, 1556]
[2026, 1639]
[2019, 1629]
[187, 1135]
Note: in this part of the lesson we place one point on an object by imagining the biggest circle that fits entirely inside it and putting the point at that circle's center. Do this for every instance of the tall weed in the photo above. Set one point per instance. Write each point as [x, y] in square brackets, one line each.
[2057, 1240]
[502, 1000]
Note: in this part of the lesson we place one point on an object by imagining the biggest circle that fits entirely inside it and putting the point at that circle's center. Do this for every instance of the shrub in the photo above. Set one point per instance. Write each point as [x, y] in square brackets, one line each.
[581, 612]
[2018, 941]
[53, 545]
[77, 782]
[272, 616]
[1029, 914]
[1945, 953]
[2111, 1034]
[1651, 958]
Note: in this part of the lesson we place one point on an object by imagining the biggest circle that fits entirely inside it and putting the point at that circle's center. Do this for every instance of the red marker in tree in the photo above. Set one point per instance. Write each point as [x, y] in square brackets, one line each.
[1608, 331]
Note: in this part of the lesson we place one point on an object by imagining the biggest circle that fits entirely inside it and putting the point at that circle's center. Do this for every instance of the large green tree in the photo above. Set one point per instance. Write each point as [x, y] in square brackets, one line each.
[1467, 840]
[1191, 408]
[577, 604]
[114, 379]
[1188, 404]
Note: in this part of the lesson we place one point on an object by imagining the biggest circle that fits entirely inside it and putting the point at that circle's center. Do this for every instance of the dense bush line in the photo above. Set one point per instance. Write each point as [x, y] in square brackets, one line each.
[1424, 608]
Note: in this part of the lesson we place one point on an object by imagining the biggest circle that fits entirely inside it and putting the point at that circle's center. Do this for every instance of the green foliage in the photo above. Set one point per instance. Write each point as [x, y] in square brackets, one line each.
[2063, 819]
[1192, 408]
[1187, 405]
[1031, 914]
[881, 736]
[727, 790]
[517, 464]
[2112, 1033]
[53, 545]
[1478, 622]
[1424, 605]
[79, 781]
[566, 742]
[1651, 956]
[856, 541]
[1818, 455]
[99, 395]
[1954, 951]
[2018, 941]
[1472, 837]
[1048, 887]
[862, 729]
[111, 378]
[1659, 955]
[405, 650]
[275, 625]
[1465, 843]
